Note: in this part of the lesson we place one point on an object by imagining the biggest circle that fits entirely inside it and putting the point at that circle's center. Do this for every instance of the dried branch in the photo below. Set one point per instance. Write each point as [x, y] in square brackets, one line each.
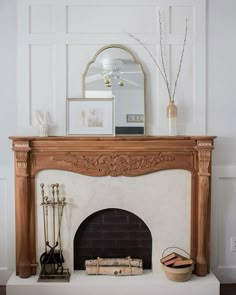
[152, 57]
[181, 58]
[163, 72]
[162, 57]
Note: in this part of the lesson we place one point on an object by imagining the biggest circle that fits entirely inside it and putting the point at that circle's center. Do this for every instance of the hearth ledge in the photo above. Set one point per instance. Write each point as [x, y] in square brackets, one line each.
[81, 283]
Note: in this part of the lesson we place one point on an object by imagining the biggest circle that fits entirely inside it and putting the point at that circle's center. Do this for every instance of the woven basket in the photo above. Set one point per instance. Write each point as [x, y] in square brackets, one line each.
[178, 274]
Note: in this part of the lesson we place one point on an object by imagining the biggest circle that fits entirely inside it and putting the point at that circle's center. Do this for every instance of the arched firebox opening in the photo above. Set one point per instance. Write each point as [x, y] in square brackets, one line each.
[112, 233]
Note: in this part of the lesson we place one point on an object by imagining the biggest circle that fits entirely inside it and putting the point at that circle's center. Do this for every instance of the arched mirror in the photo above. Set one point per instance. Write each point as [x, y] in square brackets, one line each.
[115, 73]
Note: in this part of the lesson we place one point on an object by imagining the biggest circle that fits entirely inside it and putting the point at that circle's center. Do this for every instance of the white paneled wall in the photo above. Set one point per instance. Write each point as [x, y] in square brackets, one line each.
[55, 44]
[7, 219]
[41, 19]
[3, 218]
[221, 110]
[111, 19]
[223, 222]
[8, 117]
[42, 71]
[58, 38]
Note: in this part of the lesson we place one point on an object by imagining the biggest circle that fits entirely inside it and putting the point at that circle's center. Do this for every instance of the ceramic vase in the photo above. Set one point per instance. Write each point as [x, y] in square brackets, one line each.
[172, 118]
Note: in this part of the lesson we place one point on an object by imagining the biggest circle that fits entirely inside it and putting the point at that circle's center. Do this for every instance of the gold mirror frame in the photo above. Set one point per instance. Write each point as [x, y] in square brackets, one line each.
[135, 60]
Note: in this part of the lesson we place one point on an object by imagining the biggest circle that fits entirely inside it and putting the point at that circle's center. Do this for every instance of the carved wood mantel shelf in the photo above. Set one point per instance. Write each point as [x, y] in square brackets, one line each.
[114, 156]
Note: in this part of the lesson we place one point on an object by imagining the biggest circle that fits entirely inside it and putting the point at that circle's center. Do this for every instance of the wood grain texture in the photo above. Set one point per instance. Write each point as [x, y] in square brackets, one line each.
[113, 156]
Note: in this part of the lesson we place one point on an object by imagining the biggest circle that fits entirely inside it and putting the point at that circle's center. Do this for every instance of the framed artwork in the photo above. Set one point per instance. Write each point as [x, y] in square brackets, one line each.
[90, 116]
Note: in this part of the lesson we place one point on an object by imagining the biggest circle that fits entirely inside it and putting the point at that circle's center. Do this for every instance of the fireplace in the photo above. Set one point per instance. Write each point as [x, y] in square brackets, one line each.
[112, 233]
[163, 208]
[117, 158]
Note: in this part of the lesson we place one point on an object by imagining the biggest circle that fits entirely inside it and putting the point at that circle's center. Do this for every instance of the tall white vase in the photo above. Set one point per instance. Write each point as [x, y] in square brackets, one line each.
[172, 118]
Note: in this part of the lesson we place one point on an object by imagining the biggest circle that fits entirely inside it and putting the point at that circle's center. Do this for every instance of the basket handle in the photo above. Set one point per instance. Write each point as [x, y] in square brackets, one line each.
[178, 249]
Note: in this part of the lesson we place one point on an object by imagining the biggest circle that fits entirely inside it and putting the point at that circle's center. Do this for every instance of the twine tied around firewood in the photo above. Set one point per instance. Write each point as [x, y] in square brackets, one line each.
[130, 268]
[98, 259]
[116, 272]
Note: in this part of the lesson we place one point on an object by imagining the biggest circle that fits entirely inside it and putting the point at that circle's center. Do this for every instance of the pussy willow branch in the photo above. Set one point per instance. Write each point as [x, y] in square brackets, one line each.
[152, 57]
[163, 73]
[162, 57]
[181, 58]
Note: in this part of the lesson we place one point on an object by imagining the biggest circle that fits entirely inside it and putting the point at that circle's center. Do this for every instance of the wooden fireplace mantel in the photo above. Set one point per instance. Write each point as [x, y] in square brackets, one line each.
[114, 156]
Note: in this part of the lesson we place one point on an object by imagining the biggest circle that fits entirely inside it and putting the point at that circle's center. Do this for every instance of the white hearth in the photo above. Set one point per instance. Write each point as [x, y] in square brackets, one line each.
[148, 284]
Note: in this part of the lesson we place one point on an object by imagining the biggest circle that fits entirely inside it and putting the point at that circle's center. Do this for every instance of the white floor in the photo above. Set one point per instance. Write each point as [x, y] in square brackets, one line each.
[146, 284]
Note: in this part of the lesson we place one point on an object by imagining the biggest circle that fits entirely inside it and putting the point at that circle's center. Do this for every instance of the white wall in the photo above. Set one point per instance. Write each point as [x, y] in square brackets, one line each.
[221, 107]
[8, 114]
[221, 78]
[221, 121]
[56, 41]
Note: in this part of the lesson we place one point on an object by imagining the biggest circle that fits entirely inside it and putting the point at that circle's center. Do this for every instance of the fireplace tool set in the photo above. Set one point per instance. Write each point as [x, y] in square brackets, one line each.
[52, 259]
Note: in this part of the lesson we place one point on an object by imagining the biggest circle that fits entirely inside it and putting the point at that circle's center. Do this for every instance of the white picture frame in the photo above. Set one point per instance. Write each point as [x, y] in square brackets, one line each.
[90, 116]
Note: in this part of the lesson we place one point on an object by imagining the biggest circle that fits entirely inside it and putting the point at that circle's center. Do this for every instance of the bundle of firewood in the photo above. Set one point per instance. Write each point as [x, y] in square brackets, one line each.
[114, 266]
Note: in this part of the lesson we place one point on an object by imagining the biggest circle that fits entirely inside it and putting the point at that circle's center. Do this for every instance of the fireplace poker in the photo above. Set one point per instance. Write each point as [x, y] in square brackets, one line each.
[44, 215]
[53, 212]
[59, 214]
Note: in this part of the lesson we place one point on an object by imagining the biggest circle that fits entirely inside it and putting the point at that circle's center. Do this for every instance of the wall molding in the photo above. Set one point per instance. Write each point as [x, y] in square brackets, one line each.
[220, 240]
[6, 243]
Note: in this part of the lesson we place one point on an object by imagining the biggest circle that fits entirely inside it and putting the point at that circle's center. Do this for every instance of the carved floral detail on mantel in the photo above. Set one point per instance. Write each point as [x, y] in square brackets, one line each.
[115, 164]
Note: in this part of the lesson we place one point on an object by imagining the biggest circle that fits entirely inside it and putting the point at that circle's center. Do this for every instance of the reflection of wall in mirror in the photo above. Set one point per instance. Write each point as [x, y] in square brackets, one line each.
[98, 94]
[128, 101]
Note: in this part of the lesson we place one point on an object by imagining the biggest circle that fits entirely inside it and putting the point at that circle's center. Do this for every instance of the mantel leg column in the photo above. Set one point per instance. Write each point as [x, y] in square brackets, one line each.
[202, 259]
[32, 227]
[22, 226]
[203, 195]
[22, 204]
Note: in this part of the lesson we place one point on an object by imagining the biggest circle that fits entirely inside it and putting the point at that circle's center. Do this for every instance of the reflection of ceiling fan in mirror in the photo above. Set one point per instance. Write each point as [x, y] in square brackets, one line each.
[111, 70]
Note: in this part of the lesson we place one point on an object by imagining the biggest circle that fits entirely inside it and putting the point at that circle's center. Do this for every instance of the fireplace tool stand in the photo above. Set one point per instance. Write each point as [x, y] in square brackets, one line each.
[52, 269]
